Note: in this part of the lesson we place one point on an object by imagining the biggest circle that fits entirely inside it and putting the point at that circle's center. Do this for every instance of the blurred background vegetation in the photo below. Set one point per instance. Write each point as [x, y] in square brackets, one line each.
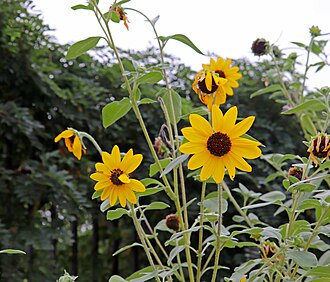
[45, 193]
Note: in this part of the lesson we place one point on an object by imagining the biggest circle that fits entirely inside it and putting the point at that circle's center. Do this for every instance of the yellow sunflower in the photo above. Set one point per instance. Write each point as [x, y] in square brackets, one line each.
[72, 142]
[113, 177]
[210, 88]
[219, 146]
[223, 69]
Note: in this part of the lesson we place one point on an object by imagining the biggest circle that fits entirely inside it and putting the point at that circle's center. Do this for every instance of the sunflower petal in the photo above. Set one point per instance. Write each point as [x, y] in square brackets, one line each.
[101, 167]
[97, 176]
[208, 81]
[194, 135]
[219, 172]
[64, 134]
[230, 166]
[124, 178]
[129, 164]
[229, 120]
[101, 185]
[130, 195]
[248, 152]
[241, 127]
[192, 148]
[105, 194]
[201, 124]
[217, 119]
[137, 186]
[115, 153]
[240, 163]
[122, 198]
[205, 172]
[113, 196]
[198, 160]
[108, 160]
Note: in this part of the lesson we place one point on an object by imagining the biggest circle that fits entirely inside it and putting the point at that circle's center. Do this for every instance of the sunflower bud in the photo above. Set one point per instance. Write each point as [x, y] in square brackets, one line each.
[172, 222]
[319, 148]
[260, 47]
[314, 31]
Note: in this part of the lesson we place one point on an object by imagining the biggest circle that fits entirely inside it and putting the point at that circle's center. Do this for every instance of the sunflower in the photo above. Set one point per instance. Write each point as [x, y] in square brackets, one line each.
[219, 146]
[319, 148]
[210, 88]
[112, 177]
[223, 69]
[72, 142]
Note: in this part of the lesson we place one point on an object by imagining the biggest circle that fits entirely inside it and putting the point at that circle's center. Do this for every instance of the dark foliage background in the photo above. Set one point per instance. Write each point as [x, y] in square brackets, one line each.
[45, 193]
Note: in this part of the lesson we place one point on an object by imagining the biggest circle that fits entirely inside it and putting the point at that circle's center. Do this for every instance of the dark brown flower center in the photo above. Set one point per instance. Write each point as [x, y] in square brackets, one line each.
[220, 73]
[320, 152]
[71, 139]
[203, 88]
[219, 144]
[114, 177]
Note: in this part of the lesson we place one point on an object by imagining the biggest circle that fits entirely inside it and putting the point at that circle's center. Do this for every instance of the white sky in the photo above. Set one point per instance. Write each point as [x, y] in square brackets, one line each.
[226, 28]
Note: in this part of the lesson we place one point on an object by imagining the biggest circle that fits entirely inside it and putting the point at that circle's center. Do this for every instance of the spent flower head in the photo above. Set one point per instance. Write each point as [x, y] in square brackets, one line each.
[113, 179]
[260, 47]
[319, 148]
[219, 146]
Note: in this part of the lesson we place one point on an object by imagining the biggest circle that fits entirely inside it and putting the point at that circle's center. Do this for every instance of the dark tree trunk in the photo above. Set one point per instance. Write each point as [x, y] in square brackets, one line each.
[74, 248]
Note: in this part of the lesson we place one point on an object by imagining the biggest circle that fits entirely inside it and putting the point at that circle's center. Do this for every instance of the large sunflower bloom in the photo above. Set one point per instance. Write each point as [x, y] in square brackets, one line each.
[223, 69]
[72, 142]
[113, 177]
[210, 88]
[219, 146]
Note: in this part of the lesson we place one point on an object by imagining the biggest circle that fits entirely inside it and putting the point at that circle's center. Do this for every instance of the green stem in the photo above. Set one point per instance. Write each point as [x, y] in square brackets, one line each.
[90, 138]
[200, 240]
[143, 241]
[306, 68]
[217, 247]
[236, 205]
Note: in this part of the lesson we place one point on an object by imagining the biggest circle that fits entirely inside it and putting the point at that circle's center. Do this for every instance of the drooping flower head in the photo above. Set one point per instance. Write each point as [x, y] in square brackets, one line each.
[260, 47]
[224, 69]
[319, 148]
[72, 142]
[113, 179]
[209, 87]
[220, 146]
[121, 14]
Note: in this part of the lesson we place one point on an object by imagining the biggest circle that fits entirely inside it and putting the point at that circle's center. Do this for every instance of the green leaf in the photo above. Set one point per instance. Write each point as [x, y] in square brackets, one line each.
[81, 47]
[299, 44]
[145, 273]
[157, 206]
[151, 77]
[182, 38]
[154, 167]
[146, 101]
[311, 105]
[135, 244]
[213, 204]
[174, 252]
[304, 187]
[148, 181]
[149, 191]
[114, 111]
[12, 252]
[273, 196]
[303, 258]
[113, 17]
[228, 243]
[97, 194]
[177, 104]
[174, 164]
[122, 2]
[105, 205]
[269, 89]
[117, 213]
[82, 7]
[116, 278]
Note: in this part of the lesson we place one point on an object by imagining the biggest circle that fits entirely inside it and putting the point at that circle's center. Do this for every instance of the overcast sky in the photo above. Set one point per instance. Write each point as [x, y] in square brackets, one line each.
[226, 28]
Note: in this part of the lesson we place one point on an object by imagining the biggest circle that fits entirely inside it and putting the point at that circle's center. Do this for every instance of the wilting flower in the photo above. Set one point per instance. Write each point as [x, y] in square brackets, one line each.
[210, 88]
[319, 148]
[223, 69]
[219, 146]
[296, 172]
[113, 177]
[72, 142]
[268, 250]
[260, 47]
[121, 14]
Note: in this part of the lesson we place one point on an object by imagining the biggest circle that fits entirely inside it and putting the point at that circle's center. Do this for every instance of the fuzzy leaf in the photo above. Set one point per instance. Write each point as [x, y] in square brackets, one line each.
[82, 46]
[182, 38]
[114, 111]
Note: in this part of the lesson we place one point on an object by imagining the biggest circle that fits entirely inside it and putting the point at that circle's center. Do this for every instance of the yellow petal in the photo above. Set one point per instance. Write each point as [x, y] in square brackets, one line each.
[97, 176]
[220, 97]
[130, 162]
[244, 142]
[64, 134]
[201, 125]
[248, 152]
[68, 144]
[77, 148]
[122, 198]
[241, 127]
[205, 173]
[198, 160]
[130, 195]
[229, 120]
[124, 178]
[101, 185]
[115, 153]
[113, 196]
[192, 148]
[105, 194]
[137, 186]
[108, 160]
[230, 166]
[101, 167]
[206, 100]
[194, 135]
[208, 81]
[217, 119]
[240, 163]
[219, 172]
